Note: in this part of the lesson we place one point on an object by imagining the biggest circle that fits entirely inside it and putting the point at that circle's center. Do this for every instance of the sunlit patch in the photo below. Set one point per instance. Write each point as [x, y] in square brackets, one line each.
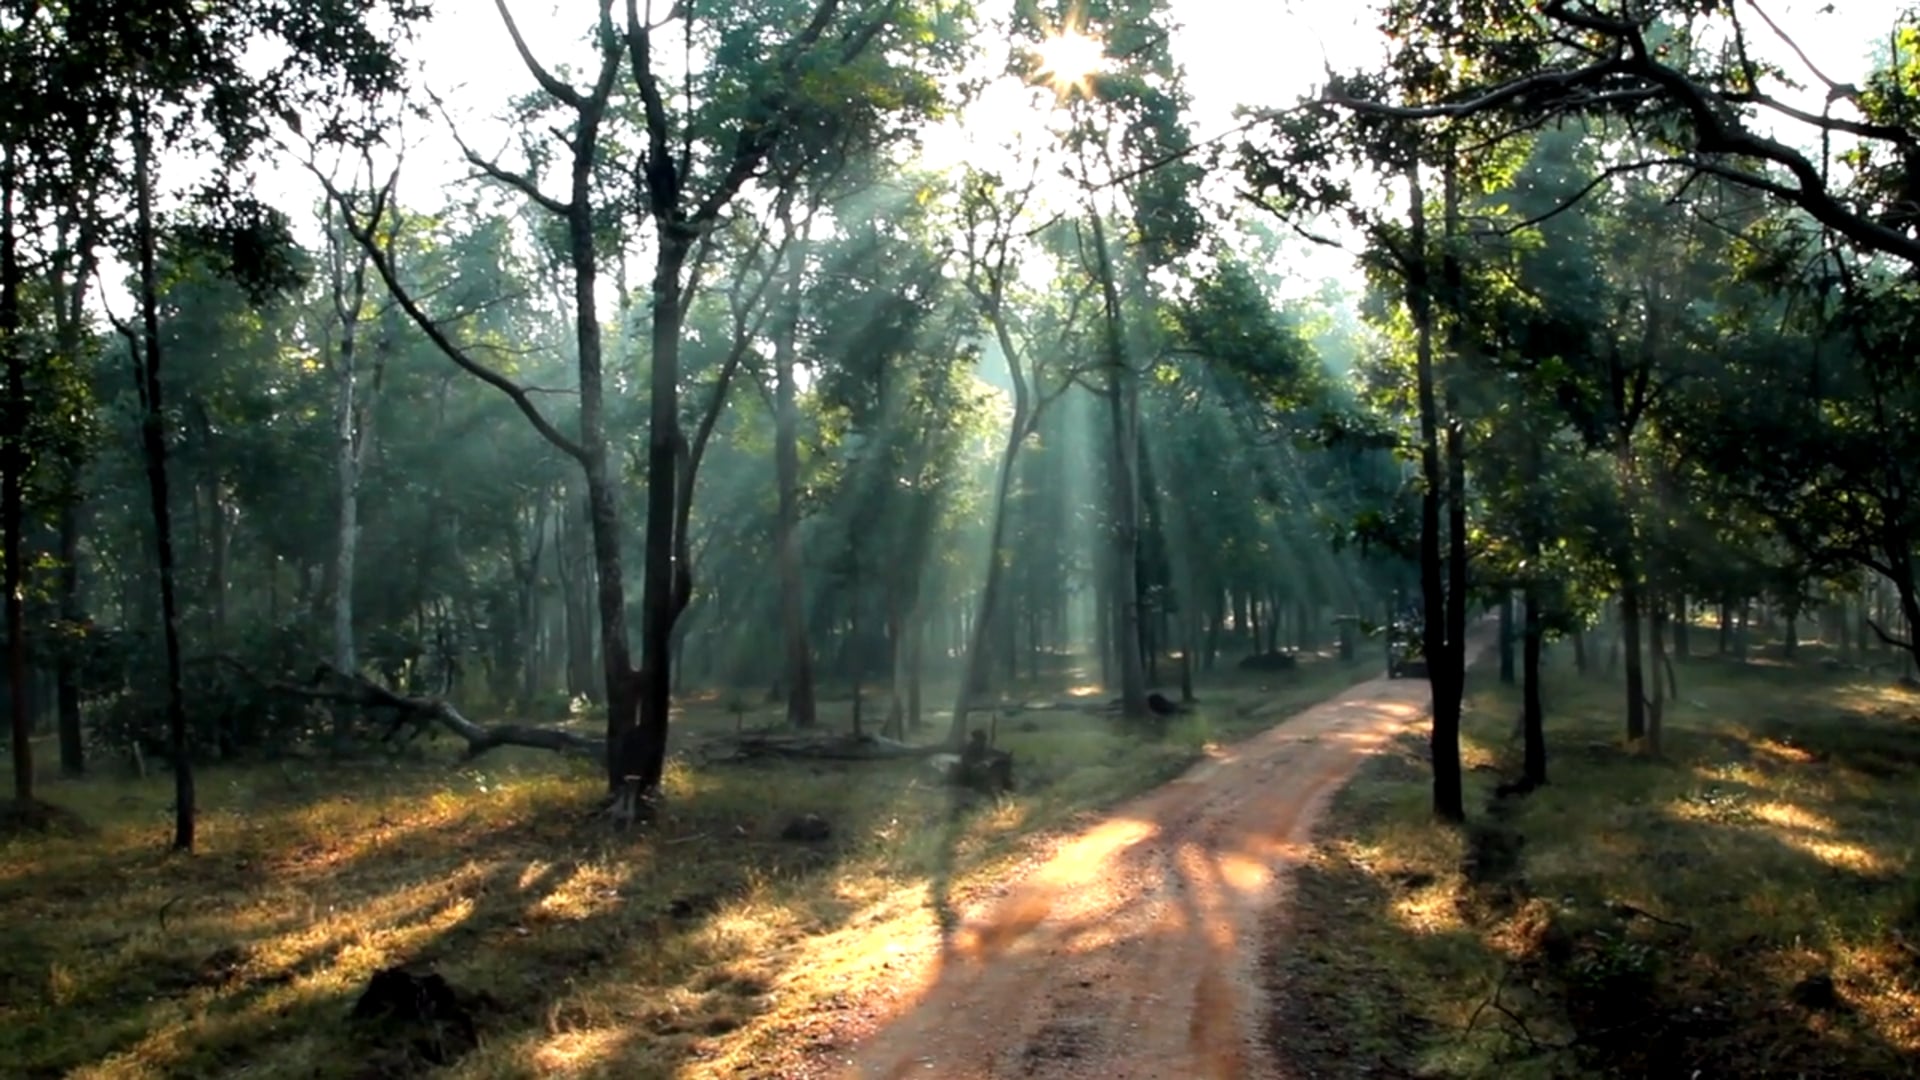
[591, 890]
[1428, 910]
[1085, 690]
[535, 870]
[1840, 854]
[1781, 751]
[1789, 816]
[571, 1052]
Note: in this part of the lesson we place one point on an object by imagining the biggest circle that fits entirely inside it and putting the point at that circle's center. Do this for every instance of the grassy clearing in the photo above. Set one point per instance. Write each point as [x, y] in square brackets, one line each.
[705, 943]
[1745, 907]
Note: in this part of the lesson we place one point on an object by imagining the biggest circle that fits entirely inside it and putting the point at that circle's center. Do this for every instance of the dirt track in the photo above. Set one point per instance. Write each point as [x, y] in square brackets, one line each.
[1131, 951]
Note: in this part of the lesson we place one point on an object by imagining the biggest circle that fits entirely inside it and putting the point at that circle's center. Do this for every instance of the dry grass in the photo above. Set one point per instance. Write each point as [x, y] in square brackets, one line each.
[701, 942]
[1636, 917]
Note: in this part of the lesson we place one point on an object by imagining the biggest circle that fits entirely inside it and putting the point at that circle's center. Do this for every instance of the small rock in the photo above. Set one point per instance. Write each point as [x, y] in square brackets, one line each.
[1818, 993]
[807, 828]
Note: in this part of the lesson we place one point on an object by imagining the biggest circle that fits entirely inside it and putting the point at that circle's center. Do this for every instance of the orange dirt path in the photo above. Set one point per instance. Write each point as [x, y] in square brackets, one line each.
[1131, 950]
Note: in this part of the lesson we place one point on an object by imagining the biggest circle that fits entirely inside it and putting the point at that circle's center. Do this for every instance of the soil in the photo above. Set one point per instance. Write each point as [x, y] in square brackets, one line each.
[1132, 949]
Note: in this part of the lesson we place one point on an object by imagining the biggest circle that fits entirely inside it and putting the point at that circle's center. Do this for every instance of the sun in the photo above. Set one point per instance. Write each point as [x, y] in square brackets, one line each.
[1069, 59]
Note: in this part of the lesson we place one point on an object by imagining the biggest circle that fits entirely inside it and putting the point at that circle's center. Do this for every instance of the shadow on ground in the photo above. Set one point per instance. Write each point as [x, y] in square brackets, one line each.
[577, 950]
[1743, 907]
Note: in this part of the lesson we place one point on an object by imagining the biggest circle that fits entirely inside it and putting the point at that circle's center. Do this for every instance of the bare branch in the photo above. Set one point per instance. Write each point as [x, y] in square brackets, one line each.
[517, 181]
[1835, 91]
[1888, 639]
[554, 87]
[364, 233]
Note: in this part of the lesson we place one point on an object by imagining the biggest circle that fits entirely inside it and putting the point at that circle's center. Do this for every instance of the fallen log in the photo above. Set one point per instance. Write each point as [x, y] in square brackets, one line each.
[331, 684]
[818, 747]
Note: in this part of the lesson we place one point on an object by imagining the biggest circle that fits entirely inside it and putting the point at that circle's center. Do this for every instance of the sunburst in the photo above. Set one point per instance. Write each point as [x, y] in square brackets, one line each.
[1069, 59]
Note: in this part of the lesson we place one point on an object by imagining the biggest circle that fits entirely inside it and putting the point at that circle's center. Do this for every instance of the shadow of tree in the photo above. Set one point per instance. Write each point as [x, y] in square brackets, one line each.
[1724, 911]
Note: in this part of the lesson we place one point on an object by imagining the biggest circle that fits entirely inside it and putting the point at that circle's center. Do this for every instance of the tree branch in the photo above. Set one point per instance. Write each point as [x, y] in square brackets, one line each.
[553, 86]
[331, 684]
[363, 234]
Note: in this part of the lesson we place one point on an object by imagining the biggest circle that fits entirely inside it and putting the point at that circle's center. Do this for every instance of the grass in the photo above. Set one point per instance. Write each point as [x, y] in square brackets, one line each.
[1744, 906]
[704, 945]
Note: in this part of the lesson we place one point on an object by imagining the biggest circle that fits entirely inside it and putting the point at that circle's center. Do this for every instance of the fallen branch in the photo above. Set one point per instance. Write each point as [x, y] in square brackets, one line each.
[821, 747]
[331, 684]
[1493, 1002]
[1624, 910]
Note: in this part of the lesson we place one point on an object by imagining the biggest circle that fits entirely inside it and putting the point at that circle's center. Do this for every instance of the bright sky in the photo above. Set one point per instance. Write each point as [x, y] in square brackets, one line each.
[1234, 52]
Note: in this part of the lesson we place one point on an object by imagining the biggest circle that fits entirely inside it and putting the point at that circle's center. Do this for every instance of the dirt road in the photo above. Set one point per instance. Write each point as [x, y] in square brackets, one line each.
[1131, 951]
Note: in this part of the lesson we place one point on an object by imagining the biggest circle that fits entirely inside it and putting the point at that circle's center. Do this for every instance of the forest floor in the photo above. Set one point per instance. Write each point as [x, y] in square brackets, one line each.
[705, 944]
[1744, 905]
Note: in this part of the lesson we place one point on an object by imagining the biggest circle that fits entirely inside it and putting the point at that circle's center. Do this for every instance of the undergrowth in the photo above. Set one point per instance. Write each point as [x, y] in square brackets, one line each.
[1744, 905]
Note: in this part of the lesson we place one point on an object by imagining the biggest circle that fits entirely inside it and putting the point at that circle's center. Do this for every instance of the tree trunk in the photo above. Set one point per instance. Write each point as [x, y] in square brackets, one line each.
[916, 668]
[13, 474]
[577, 585]
[1122, 491]
[1656, 708]
[1191, 623]
[73, 753]
[895, 726]
[1506, 637]
[1532, 712]
[1449, 799]
[786, 454]
[349, 295]
[1683, 630]
[1630, 616]
[974, 659]
[154, 443]
[1212, 654]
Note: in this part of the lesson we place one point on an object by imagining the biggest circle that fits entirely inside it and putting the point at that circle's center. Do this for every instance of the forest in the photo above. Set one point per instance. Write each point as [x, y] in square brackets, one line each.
[816, 537]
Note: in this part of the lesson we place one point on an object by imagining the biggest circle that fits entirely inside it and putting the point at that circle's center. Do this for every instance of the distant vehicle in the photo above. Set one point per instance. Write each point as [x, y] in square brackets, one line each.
[1406, 640]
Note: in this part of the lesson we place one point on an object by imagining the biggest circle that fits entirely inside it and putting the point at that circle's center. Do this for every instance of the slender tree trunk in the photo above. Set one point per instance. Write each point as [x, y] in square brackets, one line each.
[1630, 616]
[1533, 713]
[916, 668]
[154, 442]
[974, 659]
[1444, 742]
[577, 582]
[349, 296]
[1656, 708]
[1191, 641]
[13, 472]
[786, 453]
[1214, 619]
[1506, 637]
[896, 726]
[1683, 630]
[73, 753]
[529, 607]
[1122, 491]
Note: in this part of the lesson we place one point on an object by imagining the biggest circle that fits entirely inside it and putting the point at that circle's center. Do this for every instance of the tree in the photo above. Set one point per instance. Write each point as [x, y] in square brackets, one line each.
[127, 78]
[1586, 59]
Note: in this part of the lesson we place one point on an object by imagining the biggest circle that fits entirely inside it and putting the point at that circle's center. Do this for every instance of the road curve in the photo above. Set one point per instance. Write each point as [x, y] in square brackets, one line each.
[1131, 951]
